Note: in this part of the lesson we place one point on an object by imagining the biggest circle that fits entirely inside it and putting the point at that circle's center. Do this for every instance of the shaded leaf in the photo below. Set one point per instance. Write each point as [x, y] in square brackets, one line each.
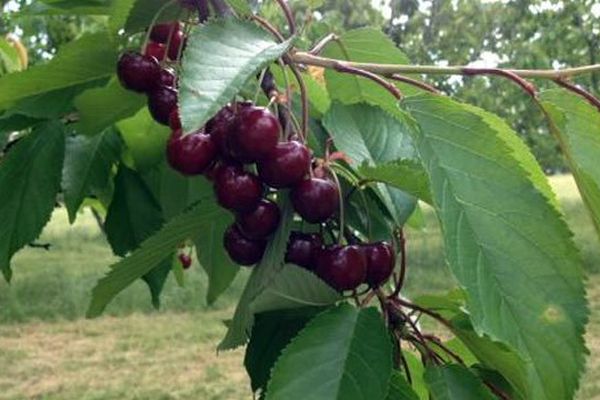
[455, 382]
[400, 389]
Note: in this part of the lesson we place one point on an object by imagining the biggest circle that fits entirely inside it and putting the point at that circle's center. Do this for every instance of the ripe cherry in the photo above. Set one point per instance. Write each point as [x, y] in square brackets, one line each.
[185, 260]
[160, 32]
[303, 249]
[137, 72]
[342, 267]
[219, 127]
[174, 47]
[236, 189]
[191, 154]
[155, 50]
[174, 120]
[287, 165]
[260, 222]
[380, 262]
[167, 78]
[242, 250]
[254, 135]
[161, 102]
[315, 199]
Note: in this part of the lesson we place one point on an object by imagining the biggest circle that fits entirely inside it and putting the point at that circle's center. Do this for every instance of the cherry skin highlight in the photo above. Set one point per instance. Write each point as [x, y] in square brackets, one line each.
[342, 267]
[137, 72]
[254, 135]
[241, 250]
[303, 249]
[261, 222]
[161, 102]
[288, 164]
[315, 199]
[192, 154]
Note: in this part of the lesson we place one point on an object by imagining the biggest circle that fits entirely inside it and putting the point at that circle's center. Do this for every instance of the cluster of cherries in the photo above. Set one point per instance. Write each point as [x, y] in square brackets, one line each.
[241, 135]
[143, 73]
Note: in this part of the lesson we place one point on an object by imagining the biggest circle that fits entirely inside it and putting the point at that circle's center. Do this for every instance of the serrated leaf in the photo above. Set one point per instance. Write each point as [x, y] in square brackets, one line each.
[66, 7]
[576, 124]
[100, 108]
[400, 389]
[407, 175]
[262, 274]
[294, 287]
[90, 58]
[343, 353]
[220, 57]
[119, 13]
[29, 181]
[150, 254]
[506, 243]
[88, 164]
[271, 333]
[144, 11]
[455, 382]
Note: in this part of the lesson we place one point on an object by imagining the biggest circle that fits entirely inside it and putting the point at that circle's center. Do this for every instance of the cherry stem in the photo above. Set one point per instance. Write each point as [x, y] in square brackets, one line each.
[341, 197]
[579, 91]
[434, 339]
[318, 48]
[403, 303]
[339, 67]
[153, 23]
[304, 100]
[403, 359]
[268, 26]
[528, 87]
[289, 16]
[402, 276]
[414, 82]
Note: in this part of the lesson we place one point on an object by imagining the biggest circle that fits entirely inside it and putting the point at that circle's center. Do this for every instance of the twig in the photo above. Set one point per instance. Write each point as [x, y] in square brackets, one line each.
[526, 86]
[342, 67]
[318, 48]
[402, 276]
[580, 91]
[268, 26]
[45, 246]
[304, 100]
[432, 314]
[414, 82]
[442, 346]
[288, 15]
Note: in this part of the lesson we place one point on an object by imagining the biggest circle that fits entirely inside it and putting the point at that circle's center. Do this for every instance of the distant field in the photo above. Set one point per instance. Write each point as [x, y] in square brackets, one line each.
[48, 351]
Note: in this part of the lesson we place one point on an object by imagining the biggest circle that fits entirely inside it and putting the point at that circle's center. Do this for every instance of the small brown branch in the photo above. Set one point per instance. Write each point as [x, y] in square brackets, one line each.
[304, 100]
[579, 91]
[45, 246]
[446, 350]
[342, 67]
[289, 16]
[414, 82]
[426, 311]
[318, 48]
[268, 26]
[402, 276]
[526, 86]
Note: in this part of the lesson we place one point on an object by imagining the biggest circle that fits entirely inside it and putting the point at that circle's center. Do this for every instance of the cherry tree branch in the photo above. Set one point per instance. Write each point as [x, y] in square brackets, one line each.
[580, 91]
[289, 16]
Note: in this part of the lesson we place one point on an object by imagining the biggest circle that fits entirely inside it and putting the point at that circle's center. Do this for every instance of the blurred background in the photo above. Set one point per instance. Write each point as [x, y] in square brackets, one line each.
[49, 351]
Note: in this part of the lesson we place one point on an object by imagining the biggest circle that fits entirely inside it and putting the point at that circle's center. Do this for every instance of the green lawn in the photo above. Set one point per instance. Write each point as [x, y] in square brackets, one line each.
[48, 351]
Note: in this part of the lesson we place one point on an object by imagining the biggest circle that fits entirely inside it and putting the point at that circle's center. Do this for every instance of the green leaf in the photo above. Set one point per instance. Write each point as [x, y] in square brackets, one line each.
[506, 243]
[9, 58]
[119, 13]
[88, 164]
[576, 124]
[66, 7]
[150, 254]
[294, 287]
[262, 274]
[407, 175]
[102, 107]
[363, 45]
[271, 333]
[84, 60]
[371, 136]
[455, 382]
[220, 57]
[29, 181]
[400, 389]
[145, 139]
[144, 11]
[241, 7]
[343, 353]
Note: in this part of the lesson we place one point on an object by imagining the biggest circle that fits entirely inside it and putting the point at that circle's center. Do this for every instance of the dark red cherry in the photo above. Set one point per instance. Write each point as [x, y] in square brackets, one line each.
[219, 127]
[185, 260]
[167, 78]
[191, 154]
[161, 102]
[342, 267]
[241, 250]
[261, 222]
[254, 135]
[174, 120]
[287, 165]
[137, 72]
[236, 189]
[155, 50]
[160, 32]
[175, 45]
[380, 262]
[315, 199]
[303, 249]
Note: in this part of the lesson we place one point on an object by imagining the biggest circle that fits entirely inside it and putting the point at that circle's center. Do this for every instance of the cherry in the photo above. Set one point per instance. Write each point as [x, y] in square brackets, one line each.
[260, 222]
[174, 120]
[315, 199]
[160, 32]
[219, 127]
[342, 267]
[236, 189]
[380, 262]
[161, 102]
[242, 250]
[185, 260]
[137, 72]
[255, 134]
[175, 45]
[191, 154]
[303, 249]
[155, 50]
[167, 78]
[287, 165]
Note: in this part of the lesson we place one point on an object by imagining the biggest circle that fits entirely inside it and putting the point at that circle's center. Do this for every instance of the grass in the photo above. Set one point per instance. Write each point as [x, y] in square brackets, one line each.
[48, 351]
